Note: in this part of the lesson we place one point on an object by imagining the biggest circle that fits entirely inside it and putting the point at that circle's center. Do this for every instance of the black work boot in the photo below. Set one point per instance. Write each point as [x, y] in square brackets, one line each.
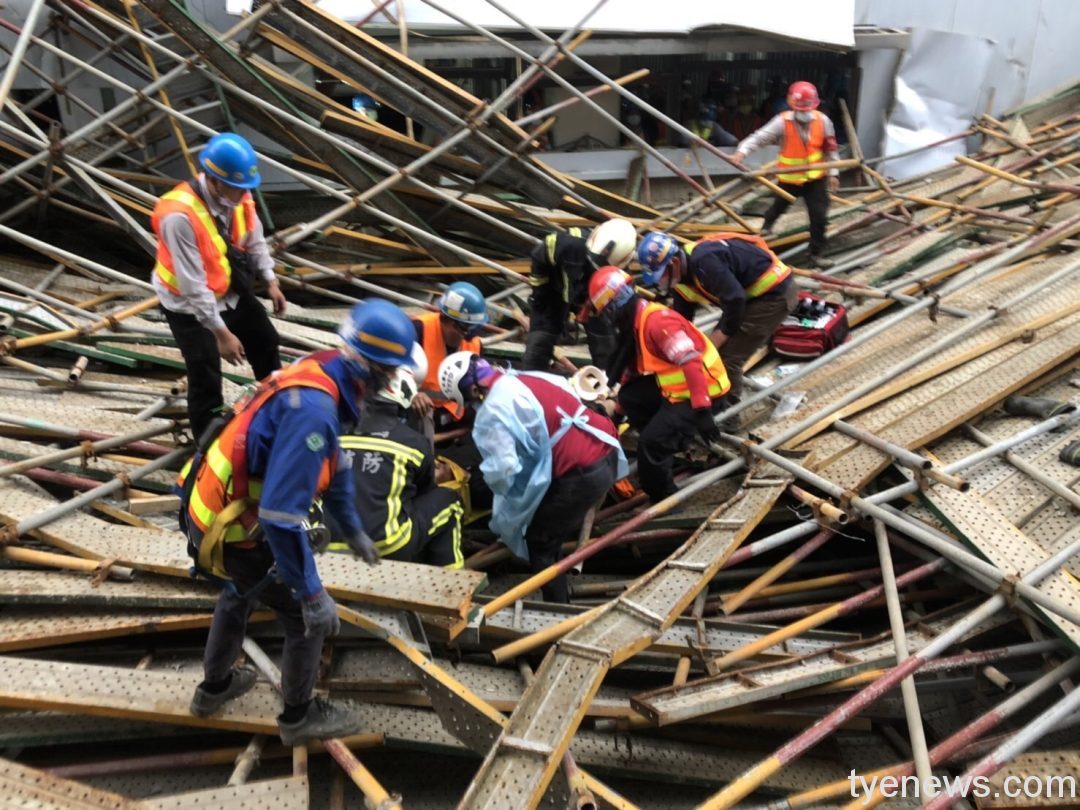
[205, 703]
[1039, 407]
[322, 720]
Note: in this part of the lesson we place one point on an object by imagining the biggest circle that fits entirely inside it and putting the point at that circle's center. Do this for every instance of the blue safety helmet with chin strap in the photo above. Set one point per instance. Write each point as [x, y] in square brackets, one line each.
[464, 303]
[228, 157]
[654, 254]
[380, 332]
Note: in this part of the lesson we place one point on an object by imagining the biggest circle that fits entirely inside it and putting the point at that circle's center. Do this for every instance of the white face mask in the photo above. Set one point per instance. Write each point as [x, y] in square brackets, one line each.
[803, 116]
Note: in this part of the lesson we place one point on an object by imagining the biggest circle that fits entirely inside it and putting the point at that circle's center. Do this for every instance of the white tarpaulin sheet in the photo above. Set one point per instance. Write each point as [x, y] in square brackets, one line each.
[940, 88]
[828, 23]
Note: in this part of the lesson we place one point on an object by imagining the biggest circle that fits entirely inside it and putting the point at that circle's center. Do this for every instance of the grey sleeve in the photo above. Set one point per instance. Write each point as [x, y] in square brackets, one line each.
[830, 137]
[259, 249]
[772, 132]
[179, 237]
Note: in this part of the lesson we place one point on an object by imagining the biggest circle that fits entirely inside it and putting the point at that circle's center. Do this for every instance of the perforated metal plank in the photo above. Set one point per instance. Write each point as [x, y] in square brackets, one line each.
[95, 467]
[25, 587]
[720, 635]
[48, 408]
[271, 794]
[132, 694]
[31, 627]
[1043, 768]
[30, 729]
[979, 524]
[518, 768]
[23, 786]
[1008, 371]
[395, 584]
[748, 686]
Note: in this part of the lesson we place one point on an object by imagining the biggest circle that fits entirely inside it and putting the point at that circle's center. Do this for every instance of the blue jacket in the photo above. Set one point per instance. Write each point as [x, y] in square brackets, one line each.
[725, 270]
[288, 441]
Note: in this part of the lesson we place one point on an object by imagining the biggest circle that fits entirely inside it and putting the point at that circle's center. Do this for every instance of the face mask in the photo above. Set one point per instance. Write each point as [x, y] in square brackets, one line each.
[803, 116]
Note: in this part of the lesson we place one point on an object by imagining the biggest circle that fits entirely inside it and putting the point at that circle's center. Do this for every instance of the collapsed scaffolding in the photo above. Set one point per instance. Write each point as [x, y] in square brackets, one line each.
[962, 288]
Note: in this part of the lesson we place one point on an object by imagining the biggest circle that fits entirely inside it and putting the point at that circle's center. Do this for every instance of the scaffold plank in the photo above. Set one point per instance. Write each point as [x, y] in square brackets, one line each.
[23, 786]
[553, 706]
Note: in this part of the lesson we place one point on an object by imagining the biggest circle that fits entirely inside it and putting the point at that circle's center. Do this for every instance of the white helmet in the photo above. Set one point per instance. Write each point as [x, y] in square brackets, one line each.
[452, 371]
[401, 388]
[612, 242]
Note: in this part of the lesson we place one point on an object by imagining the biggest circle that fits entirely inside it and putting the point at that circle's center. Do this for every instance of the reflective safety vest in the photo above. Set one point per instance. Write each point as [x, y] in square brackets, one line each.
[670, 377]
[212, 248]
[224, 498]
[796, 153]
[767, 281]
[435, 349]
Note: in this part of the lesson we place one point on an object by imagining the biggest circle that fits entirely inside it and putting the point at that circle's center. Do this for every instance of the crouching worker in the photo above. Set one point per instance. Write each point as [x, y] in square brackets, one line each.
[407, 514]
[673, 380]
[547, 457]
[247, 495]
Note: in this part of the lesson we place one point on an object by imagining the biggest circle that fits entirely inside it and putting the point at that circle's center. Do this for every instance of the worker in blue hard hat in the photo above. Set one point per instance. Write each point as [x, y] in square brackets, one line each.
[245, 500]
[211, 252]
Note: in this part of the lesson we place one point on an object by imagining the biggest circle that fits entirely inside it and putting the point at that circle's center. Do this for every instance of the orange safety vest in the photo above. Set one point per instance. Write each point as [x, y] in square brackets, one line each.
[670, 377]
[435, 349]
[223, 476]
[212, 248]
[768, 280]
[796, 153]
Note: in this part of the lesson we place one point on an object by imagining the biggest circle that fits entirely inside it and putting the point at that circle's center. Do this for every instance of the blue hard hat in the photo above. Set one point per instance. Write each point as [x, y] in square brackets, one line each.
[380, 332]
[654, 254]
[464, 303]
[231, 159]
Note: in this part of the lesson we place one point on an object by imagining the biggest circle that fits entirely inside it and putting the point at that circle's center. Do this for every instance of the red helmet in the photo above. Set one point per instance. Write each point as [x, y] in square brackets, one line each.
[803, 96]
[609, 284]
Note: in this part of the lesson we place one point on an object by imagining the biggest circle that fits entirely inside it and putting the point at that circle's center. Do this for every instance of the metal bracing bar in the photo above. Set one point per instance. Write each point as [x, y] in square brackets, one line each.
[1027, 469]
[125, 105]
[52, 250]
[911, 460]
[916, 735]
[945, 750]
[753, 778]
[86, 449]
[569, 87]
[567, 102]
[672, 124]
[914, 530]
[737, 600]
[17, 53]
[419, 97]
[1020, 742]
[11, 532]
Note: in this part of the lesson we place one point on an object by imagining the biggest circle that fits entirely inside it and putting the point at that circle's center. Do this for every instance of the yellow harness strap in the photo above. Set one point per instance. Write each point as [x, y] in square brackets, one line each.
[212, 546]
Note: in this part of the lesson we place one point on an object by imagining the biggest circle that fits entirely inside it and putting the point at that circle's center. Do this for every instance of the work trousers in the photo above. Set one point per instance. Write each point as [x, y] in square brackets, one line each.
[560, 515]
[548, 320]
[760, 319]
[436, 530]
[252, 327]
[299, 656]
[664, 429]
[816, 196]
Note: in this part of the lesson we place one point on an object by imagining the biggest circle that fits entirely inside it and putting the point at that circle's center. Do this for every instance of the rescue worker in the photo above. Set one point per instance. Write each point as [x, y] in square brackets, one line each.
[707, 126]
[547, 457]
[407, 515]
[247, 497]
[561, 267]
[210, 249]
[455, 327]
[673, 380]
[737, 272]
[806, 136]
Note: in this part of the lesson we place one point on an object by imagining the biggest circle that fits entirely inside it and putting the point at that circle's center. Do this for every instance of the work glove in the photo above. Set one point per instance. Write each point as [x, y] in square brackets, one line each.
[363, 547]
[706, 425]
[320, 615]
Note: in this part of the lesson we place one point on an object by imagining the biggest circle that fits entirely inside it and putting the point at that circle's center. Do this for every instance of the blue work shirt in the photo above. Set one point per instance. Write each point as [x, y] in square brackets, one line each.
[292, 434]
[724, 270]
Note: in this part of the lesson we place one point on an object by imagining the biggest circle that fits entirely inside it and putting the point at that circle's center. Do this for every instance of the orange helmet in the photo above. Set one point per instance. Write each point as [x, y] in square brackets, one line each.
[803, 96]
[610, 284]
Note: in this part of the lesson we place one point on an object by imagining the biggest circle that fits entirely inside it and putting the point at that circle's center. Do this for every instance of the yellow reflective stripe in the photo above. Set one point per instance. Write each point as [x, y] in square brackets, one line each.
[167, 276]
[575, 231]
[382, 446]
[196, 205]
[769, 279]
[691, 294]
[456, 513]
[688, 248]
[397, 534]
[549, 243]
